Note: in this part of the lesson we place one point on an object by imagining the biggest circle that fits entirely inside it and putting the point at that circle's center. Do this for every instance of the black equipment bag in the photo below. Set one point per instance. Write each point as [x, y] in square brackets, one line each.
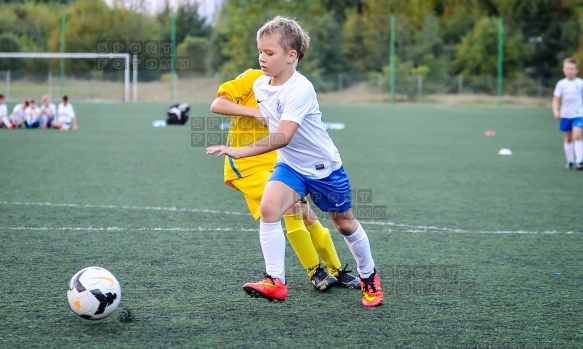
[178, 114]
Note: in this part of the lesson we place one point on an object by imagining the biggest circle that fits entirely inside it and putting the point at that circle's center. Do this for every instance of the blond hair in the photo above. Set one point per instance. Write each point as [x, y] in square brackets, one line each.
[292, 36]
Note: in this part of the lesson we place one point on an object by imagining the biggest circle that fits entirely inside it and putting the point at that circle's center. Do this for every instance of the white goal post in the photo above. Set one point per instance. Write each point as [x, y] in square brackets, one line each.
[125, 56]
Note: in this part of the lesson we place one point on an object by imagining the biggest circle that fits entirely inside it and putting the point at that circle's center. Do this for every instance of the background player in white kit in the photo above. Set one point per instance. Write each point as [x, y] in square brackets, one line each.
[17, 116]
[308, 161]
[66, 118]
[32, 115]
[4, 120]
[47, 111]
[569, 94]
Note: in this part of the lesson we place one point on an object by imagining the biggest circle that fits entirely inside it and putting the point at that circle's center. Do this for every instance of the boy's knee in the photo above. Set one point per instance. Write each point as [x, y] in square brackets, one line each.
[269, 214]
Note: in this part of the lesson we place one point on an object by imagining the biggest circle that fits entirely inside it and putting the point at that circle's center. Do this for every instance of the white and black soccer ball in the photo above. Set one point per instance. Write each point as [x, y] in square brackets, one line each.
[94, 293]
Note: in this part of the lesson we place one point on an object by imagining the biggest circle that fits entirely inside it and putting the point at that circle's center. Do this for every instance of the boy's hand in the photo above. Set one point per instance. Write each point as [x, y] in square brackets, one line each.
[556, 114]
[223, 150]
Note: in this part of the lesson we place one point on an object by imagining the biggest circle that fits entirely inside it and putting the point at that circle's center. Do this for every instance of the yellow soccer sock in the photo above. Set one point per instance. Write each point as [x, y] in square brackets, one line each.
[325, 247]
[299, 239]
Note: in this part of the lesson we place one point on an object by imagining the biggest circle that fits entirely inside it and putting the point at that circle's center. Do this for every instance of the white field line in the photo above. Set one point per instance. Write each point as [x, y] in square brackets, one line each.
[202, 229]
[114, 229]
[147, 208]
[408, 227]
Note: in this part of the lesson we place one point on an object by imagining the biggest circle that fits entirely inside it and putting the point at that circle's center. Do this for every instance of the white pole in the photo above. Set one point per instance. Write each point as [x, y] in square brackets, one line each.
[8, 84]
[135, 82]
[50, 84]
[126, 90]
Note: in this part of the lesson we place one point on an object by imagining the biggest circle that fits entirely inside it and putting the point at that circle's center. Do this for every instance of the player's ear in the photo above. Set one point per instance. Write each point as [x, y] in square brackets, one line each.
[292, 56]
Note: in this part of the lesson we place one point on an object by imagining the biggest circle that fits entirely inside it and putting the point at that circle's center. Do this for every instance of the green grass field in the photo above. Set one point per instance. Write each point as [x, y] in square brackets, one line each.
[147, 205]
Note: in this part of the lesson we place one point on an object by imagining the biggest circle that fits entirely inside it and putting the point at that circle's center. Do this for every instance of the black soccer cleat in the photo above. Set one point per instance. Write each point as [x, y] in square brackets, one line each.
[570, 166]
[580, 166]
[347, 280]
[323, 281]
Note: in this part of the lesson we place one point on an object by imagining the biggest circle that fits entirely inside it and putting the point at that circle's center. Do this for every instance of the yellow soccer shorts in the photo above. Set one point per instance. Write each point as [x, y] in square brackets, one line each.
[252, 188]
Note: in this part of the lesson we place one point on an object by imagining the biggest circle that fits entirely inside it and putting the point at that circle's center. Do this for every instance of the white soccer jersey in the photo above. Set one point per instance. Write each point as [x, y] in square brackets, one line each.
[311, 151]
[65, 112]
[17, 113]
[31, 114]
[47, 111]
[571, 93]
[3, 111]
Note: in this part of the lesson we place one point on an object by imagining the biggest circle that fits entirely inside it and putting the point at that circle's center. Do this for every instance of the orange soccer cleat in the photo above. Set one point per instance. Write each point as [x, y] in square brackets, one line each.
[372, 291]
[271, 288]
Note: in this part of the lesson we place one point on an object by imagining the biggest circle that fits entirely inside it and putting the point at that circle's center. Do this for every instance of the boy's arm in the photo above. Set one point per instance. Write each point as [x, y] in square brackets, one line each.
[279, 139]
[223, 105]
[556, 101]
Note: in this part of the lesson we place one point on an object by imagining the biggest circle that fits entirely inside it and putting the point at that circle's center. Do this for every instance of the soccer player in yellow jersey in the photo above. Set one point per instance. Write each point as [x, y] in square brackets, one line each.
[309, 239]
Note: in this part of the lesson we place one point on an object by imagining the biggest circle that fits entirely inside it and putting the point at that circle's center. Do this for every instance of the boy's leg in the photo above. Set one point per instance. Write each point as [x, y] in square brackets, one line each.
[568, 147]
[578, 144]
[271, 287]
[277, 198]
[321, 240]
[252, 187]
[566, 127]
[301, 241]
[357, 241]
[6, 122]
[324, 245]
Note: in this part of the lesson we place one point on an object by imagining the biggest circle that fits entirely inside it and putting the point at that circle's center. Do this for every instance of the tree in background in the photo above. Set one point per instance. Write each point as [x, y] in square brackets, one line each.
[433, 37]
[10, 43]
[553, 28]
[92, 22]
[477, 54]
[196, 50]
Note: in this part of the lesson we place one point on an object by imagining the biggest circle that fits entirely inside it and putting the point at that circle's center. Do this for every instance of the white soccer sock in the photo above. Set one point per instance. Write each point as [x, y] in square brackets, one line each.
[579, 151]
[360, 247]
[6, 121]
[273, 246]
[569, 151]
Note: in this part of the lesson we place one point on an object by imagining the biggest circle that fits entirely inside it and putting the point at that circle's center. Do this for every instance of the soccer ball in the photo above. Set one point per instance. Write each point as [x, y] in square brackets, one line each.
[94, 293]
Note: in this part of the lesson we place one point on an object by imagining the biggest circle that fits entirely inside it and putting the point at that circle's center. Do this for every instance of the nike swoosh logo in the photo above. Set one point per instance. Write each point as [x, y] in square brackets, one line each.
[342, 203]
[259, 102]
[369, 298]
[106, 279]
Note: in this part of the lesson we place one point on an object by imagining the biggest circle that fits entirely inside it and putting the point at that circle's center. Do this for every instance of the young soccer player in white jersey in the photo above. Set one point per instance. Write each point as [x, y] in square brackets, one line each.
[309, 239]
[308, 161]
[66, 118]
[17, 116]
[32, 115]
[47, 112]
[569, 94]
[4, 120]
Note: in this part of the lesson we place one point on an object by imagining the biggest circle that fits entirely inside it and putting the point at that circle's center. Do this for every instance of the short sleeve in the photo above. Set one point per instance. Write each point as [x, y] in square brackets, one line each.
[240, 87]
[558, 90]
[298, 104]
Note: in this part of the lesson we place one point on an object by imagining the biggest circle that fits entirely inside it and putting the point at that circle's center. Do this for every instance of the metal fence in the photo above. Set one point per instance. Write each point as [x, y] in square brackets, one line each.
[108, 86]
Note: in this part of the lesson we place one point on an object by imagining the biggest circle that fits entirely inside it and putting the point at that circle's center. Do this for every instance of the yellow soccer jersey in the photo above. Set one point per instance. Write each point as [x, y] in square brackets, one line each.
[245, 130]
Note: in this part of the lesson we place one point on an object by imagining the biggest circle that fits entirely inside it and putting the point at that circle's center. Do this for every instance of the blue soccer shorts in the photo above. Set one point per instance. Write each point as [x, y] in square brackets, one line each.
[330, 194]
[567, 124]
